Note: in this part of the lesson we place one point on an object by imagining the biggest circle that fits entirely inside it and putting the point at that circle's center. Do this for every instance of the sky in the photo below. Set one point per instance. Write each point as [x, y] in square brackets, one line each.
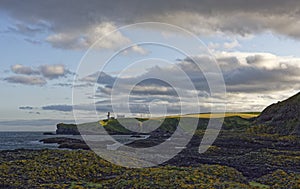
[77, 60]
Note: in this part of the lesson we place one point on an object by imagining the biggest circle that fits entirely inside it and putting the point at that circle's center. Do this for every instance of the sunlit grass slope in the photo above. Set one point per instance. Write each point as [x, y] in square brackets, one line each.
[245, 115]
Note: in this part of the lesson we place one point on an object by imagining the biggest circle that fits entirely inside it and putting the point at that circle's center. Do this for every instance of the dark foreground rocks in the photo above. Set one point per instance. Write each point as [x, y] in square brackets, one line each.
[84, 169]
[254, 155]
[65, 142]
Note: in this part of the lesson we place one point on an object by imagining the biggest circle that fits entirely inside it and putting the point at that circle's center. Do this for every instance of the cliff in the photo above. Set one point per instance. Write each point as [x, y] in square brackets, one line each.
[283, 117]
[67, 129]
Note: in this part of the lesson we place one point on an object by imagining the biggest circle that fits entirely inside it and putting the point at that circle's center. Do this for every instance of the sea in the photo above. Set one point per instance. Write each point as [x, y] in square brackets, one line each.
[31, 140]
[27, 140]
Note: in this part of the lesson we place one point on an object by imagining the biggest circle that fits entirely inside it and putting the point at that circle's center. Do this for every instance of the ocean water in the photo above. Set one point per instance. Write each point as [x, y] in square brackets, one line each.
[27, 140]
[30, 140]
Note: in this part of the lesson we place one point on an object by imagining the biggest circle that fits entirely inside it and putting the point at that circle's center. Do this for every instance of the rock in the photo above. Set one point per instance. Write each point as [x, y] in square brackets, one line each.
[48, 133]
[74, 146]
[67, 129]
[60, 140]
[283, 116]
[136, 136]
[65, 142]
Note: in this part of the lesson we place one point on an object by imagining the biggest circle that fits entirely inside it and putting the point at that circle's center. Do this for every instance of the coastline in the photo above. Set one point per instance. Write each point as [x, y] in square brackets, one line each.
[236, 159]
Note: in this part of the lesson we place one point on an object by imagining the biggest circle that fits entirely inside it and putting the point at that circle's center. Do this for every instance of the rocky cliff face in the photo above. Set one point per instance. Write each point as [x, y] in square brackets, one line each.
[283, 116]
[67, 129]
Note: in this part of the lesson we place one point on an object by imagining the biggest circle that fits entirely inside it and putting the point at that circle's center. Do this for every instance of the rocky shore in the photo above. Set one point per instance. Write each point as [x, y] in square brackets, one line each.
[248, 153]
[65, 142]
[236, 160]
[253, 155]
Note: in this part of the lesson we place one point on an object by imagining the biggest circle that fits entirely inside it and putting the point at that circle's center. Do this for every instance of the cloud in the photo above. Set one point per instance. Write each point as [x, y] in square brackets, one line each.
[153, 90]
[28, 29]
[246, 75]
[20, 69]
[213, 46]
[63, 108]
[33, 41]
[64, 84]
[26, 80]
[79, 25]
[37, 122]
[25, 74]
[231, 45]
[259, 72]
[259, 59]
[26, 108]
[101, 106]
[150, 92]
[38, 113]
[99, 77]
[53, 71]
[84, 40]
[136, 49]
[139, 49]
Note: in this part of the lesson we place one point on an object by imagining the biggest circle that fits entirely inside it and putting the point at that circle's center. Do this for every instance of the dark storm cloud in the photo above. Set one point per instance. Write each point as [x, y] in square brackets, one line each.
[68, 25]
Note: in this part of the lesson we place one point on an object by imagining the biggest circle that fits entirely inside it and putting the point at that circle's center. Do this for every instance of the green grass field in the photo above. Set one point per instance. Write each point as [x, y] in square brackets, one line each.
[245, 115]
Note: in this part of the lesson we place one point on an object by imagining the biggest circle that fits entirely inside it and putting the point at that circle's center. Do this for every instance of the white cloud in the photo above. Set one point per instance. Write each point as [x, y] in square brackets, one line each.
[24, 74]
[48, 71]
[213, 46]
[139, 49]
[261, 60]
[53, 71]
[231, 45]
[26, 80]
[136, 49]
[86, 38]
[21, 69]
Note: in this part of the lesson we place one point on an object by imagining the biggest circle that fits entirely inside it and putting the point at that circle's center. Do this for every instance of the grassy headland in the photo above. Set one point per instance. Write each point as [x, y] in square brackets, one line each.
[252, 150]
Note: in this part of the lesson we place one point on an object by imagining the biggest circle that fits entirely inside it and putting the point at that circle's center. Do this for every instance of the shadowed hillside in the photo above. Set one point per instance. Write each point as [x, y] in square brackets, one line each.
[282, 117]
